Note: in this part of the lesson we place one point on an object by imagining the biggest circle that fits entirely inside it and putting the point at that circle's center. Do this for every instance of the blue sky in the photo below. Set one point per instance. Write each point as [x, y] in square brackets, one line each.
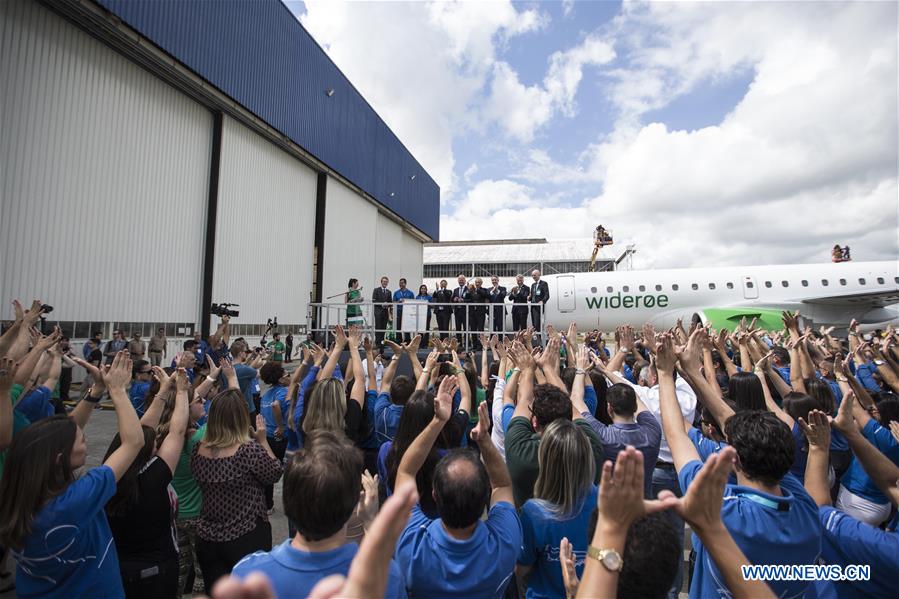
[668, 121]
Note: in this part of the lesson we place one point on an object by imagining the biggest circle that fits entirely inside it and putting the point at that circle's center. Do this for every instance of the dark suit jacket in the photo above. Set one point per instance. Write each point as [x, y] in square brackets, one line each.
[384, 296]
[465, 295]
[442, 296]
[480, 296]
[543, 295]
[521, 296]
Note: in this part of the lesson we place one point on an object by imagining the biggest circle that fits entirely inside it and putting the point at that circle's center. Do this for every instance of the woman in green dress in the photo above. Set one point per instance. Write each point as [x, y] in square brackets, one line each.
[353, 310]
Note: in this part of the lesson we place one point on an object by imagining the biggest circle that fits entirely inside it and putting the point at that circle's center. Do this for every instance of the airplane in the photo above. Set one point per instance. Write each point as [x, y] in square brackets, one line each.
[830, 294]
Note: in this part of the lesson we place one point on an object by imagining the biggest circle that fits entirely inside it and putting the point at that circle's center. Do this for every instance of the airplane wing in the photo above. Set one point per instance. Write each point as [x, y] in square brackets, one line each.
[874, 299]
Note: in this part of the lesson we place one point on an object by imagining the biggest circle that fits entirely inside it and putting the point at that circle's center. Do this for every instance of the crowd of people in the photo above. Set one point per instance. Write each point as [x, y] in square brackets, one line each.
[569, 469]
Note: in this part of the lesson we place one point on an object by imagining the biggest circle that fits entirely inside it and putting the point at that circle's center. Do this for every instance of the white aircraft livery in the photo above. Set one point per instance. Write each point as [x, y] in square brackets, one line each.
[825, 294]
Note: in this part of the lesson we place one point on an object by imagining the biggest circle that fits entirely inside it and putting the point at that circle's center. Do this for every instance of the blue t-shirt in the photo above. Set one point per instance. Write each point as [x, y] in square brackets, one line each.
[387, 418]
[704, 446]
[784, 372]
[759, 522]
[70, 551]
[36, 404]
[590, 398]
[865, 375]
[138, 395]
[543, 532]
[276, 394]
[245, 377]
[507, 414]
[293, 572]
[401, 294]
[856, 480]
[371, 398]
[848, 541]
[435, 564]
[801, 456]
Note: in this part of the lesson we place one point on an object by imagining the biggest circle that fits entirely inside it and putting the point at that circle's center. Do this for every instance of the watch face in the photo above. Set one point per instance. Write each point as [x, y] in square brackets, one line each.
[612, 561]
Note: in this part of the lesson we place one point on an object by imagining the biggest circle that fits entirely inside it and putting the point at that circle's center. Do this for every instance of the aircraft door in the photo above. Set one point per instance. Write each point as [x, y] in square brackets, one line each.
[565, 293]
[750, 289]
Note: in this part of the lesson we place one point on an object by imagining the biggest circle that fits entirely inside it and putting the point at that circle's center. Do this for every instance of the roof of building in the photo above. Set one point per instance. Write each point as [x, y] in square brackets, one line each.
[259, 54]
[501, 251]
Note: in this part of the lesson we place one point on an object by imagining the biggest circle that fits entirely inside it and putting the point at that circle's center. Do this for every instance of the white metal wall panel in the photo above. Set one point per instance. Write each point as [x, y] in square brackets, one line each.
[389, 250]
[350, 240]
[104, 173]
[265, 232]
[411, 261]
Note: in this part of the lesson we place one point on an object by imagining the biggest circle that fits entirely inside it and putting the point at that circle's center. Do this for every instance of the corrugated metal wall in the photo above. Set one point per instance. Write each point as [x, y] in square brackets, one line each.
[104, 173]
[350, 237]
[258, 53]
[411, 257]
[389, 250]
[265, 230]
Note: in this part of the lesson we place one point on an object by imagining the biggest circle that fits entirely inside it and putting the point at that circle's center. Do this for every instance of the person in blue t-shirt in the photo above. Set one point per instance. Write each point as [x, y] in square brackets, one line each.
[321, 491]
[458, 554]
[143, 375]
[273, 407]
[399, 296]
[564, 498]
[847, 540]
[391, 400]
[768, 508]
[55, 523]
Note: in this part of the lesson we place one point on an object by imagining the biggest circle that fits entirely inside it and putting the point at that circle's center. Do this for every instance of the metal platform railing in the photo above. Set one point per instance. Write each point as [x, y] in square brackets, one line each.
[403, 320]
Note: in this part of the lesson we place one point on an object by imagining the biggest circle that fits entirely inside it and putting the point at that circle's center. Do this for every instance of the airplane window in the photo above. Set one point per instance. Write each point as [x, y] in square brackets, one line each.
[625, 289]
[750, 284]
[711, 285]
[730, 285]
[880, 280]
[674, 287]
[593, 290]
[609, 289]
[825, 282]
[658, 287]
[896, 279]
[785, 283]
[694, 286]
[642, 288]
[804, 283]
[768, 284]
[842, 281]
[861, 281]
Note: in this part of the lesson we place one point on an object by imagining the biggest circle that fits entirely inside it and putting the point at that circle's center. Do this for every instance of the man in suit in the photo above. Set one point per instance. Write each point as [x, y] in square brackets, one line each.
[497, 297]
[382, 298]
[539, 296]
[444, 313]
[519, 296]
[478, 314]
[461, 296]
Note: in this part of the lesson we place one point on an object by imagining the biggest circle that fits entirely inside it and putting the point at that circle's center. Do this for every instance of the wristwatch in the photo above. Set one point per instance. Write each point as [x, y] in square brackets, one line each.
[609, 558]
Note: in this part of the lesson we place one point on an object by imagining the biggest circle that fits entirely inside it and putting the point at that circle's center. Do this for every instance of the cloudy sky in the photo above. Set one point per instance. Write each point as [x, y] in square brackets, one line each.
[705, 133]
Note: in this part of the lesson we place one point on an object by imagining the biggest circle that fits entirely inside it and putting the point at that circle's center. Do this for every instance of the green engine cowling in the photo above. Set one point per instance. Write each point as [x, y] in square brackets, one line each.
[729, 318]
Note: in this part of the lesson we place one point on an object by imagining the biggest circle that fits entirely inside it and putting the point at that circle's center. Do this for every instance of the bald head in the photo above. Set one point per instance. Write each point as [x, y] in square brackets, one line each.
[461, 488]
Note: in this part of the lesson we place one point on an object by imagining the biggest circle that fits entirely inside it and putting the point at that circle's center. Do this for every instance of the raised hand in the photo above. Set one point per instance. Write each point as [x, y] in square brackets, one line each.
[431, 360]
[621, 492]
[366, 345]
[119, 374]
[411, 348]
[367, 508]
[8, 369]
[649, 338]
[165, 381]
[395, 347]
[790, 320]
[340, 339]
[259, 433]
[583, 358]
[853, 326]
[355, 337]
[213, 369]
[569, 574]
[665, 356]
[443, 401]
[845, 421]
[482, 430]
[626, 338]
[182, 383]
[691, 355]
[816, 429]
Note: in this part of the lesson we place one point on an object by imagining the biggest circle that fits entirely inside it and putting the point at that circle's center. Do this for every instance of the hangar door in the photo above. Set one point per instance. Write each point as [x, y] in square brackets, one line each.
[105, 171]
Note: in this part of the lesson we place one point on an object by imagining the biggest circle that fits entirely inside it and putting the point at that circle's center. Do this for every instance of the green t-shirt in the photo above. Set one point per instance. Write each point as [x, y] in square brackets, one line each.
[522, 446]
[277, 351]
[480, 396]
[190, 497]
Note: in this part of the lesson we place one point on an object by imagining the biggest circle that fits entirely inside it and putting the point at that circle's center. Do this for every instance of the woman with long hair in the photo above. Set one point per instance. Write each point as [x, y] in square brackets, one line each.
[142, 512]
[744, 389]
[54, 523]
[564, 498]
[353, 309]
[232, 465]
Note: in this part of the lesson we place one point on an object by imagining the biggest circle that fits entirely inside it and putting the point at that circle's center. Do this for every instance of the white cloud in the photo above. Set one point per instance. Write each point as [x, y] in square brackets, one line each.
[521, 110]
[806, 159]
